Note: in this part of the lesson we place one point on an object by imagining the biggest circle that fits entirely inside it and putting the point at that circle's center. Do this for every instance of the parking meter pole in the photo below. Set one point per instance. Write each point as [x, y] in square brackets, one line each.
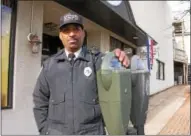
[131, 131]
[140, 99]
[140, 130]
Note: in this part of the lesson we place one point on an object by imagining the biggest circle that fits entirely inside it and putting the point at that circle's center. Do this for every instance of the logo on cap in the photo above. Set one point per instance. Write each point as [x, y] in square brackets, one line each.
[70, 17]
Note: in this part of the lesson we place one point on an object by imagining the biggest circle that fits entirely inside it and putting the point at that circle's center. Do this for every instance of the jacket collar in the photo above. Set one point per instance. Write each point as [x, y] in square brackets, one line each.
[84, 55]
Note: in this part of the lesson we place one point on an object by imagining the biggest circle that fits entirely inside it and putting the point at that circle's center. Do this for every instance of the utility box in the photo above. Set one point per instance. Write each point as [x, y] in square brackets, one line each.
[114, 90]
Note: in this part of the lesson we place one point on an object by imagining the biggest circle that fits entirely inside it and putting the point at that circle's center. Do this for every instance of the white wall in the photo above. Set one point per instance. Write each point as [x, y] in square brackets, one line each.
[179, 41]
[187, 46]
[20, 120]
[154, 18]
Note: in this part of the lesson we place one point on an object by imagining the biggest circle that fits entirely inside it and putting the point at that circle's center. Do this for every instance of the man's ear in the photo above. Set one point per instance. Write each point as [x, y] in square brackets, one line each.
[60, 36]
[84, 33]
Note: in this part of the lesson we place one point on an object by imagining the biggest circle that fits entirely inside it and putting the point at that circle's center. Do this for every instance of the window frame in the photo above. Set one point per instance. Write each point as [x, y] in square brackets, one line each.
[159, 72]
[11, 55]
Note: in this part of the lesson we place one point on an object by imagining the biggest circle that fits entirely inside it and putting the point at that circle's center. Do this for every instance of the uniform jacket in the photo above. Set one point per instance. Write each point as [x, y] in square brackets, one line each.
[65, 99]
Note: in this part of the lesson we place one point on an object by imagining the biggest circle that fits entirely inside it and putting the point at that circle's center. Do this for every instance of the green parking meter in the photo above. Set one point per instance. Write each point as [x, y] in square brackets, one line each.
[114, 90]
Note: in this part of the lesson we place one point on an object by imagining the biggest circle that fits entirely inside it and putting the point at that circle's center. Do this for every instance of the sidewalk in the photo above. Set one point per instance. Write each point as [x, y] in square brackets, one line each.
[179, 124]
[162, 107]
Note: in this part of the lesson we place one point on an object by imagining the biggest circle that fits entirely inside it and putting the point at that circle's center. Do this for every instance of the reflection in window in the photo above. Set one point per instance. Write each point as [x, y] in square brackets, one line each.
[158, 69]
[114, 43]
[161, 71]
[6, 9]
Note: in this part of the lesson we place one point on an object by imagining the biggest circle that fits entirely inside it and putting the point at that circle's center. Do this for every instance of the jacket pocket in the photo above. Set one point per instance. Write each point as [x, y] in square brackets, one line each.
[57, 109]
[89, 109]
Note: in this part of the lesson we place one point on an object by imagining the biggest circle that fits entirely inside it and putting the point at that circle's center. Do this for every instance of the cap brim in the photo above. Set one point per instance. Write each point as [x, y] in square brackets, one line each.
[63, 25]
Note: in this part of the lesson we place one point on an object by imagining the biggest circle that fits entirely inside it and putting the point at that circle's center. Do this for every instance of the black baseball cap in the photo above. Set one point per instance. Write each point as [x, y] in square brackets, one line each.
[71, 18]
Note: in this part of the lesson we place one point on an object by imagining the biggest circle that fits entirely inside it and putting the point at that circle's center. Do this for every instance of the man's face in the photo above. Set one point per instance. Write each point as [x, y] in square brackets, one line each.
[72, 36]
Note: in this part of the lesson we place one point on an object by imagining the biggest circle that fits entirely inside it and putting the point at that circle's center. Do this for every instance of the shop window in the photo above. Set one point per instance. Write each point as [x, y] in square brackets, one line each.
[115, 43]
[51, 45]
[8, 12]
[160, 70]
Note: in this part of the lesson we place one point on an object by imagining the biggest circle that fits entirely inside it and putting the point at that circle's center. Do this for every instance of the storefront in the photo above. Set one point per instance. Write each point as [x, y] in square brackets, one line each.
[106, 28]
[118, 19]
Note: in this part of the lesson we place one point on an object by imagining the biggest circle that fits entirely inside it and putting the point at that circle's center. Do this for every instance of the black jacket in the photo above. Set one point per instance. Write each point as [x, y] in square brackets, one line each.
[65, 96]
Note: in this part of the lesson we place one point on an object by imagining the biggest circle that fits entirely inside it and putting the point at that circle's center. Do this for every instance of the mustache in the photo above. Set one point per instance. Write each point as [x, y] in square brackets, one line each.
[73, 39]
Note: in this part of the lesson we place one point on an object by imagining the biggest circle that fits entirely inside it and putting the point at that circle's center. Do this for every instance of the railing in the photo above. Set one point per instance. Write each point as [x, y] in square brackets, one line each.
[180, 55]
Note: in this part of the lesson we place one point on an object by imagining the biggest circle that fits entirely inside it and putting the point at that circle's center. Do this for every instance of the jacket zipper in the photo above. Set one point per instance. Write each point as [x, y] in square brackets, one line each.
[73, 96]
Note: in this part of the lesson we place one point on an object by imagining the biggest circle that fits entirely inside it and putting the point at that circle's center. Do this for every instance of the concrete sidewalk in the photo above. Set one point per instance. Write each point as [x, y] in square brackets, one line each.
[179, 124]
[162, 107]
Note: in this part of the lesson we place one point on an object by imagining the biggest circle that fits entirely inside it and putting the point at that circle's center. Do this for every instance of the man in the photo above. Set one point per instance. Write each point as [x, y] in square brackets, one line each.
[65, 95]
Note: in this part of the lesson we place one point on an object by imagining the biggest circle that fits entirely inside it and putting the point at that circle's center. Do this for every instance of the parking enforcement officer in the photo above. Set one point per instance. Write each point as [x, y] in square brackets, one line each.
[65, 95]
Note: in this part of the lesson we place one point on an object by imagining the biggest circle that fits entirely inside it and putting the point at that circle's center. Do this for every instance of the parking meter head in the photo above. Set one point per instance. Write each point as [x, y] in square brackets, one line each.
[114, 90]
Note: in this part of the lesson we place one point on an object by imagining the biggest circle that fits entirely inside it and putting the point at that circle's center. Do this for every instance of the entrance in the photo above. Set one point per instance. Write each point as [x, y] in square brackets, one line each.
[51, 45]
[179, 72]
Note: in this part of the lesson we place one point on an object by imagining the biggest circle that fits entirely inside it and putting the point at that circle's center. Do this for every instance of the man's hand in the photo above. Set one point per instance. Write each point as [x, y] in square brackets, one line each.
[122, 57]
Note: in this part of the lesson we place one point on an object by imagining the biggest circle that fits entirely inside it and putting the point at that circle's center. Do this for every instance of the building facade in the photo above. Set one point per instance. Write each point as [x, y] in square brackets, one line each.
[107, 28]
[155, 18]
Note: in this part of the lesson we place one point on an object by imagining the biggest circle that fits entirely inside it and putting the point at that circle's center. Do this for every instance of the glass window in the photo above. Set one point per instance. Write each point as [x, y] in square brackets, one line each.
[7, 50]
[115, 43]
[160, 70]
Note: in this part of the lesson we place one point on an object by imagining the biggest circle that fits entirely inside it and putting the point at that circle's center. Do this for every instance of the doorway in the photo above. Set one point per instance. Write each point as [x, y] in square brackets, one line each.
[51, 45]
[178, 72]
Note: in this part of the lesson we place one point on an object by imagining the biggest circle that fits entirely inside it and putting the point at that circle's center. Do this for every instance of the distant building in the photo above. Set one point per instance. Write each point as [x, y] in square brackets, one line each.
[180, 55]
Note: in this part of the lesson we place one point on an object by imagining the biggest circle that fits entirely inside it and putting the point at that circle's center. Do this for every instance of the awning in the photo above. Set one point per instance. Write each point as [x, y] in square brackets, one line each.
[110, 18]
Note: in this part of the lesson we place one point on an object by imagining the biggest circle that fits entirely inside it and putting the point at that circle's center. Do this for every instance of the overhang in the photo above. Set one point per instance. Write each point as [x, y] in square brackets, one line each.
[114, 19]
